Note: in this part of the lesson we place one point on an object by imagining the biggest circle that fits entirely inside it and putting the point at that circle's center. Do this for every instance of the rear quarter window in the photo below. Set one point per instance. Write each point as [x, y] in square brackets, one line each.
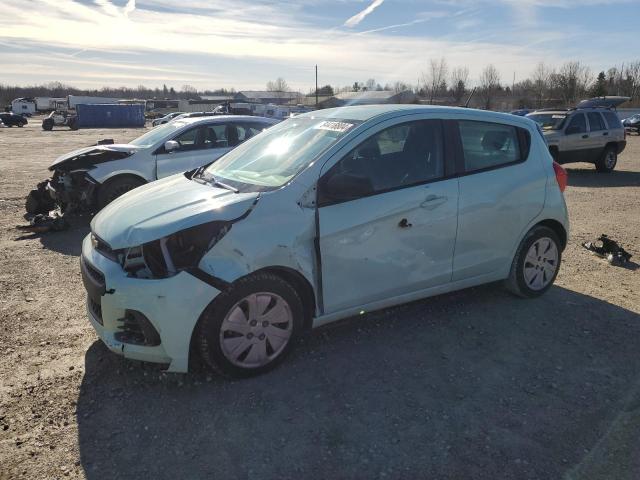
[612, 120]
[488, 145]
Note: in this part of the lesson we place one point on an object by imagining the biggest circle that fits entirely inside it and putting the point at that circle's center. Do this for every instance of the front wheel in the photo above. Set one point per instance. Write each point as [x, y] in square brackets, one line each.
[115, 187]
[536, 263]
[251, 327]
[607, 162]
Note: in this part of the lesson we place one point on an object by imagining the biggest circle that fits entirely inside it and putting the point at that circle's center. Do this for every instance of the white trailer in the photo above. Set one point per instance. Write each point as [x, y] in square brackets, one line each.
[45, 104]
[74, 100]
[23, 105]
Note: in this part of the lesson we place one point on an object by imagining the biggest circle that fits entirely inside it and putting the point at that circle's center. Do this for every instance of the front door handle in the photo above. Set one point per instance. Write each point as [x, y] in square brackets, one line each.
[605, 134]
[585, 136]
[432, 201]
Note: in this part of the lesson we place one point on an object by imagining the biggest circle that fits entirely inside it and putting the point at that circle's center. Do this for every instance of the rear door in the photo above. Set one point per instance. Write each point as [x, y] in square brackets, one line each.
[399, 237]
[501, 190]
[598, 135]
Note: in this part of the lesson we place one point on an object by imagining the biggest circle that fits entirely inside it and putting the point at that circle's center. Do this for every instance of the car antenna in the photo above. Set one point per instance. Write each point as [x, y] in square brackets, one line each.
[466, 104]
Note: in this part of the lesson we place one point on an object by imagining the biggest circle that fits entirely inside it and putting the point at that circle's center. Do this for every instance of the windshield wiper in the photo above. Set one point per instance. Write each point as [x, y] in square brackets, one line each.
[212, 180]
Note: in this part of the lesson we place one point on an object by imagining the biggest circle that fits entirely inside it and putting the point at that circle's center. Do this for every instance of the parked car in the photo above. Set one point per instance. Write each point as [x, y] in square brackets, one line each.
[521, 113]
[632, 123]
[592, 135]
[91, 177]
[167, 118]
[13, 119]
[196, 115]
[326, 215]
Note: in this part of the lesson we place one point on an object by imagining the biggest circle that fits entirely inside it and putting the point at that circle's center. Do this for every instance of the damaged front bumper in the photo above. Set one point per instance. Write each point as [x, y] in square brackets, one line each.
[67, 190]
[143, 319]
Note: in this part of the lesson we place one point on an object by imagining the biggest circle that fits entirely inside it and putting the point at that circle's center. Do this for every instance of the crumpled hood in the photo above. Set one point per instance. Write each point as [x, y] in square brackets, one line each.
[166, 206]
[82, 155]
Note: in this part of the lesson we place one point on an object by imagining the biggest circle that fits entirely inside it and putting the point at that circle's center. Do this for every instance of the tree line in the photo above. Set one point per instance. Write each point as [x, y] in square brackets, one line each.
[547, 86]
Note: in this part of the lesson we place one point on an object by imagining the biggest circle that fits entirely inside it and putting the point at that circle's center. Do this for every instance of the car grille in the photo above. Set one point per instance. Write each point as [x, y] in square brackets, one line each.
[95, 274]
[96, 309]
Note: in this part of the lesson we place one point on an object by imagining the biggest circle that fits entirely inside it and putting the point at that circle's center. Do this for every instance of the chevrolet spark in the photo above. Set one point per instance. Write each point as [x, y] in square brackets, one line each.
[321, 217]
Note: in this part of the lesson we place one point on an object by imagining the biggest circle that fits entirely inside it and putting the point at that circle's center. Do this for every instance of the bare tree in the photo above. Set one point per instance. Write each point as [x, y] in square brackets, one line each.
[459, 80]
[632, 79]
[279, 85]
[489, 85]
[541, 79]
[278, 88]
[435, 78]
[400, 87]
[572, 81]
[370, 84]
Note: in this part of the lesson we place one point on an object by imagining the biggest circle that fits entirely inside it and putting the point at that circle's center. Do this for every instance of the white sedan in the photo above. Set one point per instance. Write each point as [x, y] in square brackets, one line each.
[94, 176]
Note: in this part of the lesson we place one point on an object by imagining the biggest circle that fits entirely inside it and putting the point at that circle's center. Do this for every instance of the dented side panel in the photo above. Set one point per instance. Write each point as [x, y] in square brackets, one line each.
[275, 234]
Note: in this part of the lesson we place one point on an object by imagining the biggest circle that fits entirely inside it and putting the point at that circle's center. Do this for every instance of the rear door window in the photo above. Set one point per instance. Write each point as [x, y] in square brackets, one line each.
[488, 145]
[596, 122]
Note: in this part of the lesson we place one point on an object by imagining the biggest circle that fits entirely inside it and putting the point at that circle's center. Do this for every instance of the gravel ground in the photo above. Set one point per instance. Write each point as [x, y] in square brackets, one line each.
[475, 384]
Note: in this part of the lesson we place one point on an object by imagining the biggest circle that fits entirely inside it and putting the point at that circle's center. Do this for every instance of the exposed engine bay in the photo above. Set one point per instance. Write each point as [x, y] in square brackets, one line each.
[71, 187]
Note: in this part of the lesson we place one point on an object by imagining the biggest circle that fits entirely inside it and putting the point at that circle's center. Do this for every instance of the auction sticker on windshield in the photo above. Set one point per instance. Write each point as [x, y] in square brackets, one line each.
[340, 127]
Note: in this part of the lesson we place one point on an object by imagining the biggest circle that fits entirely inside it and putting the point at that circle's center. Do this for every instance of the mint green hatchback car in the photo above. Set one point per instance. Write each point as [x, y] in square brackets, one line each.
[321, 217]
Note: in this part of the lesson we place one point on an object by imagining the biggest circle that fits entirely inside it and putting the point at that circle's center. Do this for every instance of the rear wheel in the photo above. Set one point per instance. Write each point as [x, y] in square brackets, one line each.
[607, 162]
[47, 124]
[115, 187]
[251, 327]
[536, 263]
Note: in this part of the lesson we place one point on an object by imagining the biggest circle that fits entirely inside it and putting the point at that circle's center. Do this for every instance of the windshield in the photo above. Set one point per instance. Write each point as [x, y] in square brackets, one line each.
[275, 156]
[157, 134]
[548, 121]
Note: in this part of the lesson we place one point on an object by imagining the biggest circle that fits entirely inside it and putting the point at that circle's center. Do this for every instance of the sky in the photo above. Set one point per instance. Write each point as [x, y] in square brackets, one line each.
[243, 44]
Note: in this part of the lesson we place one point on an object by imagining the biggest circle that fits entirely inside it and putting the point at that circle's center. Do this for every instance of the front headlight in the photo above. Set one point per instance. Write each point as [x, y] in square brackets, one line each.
[182, 250]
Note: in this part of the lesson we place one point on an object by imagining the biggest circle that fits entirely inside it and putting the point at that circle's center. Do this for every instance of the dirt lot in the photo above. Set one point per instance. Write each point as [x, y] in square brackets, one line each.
[476, 384]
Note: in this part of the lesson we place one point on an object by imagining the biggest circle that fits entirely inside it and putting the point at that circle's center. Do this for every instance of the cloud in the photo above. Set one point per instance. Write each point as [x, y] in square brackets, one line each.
[358, 17]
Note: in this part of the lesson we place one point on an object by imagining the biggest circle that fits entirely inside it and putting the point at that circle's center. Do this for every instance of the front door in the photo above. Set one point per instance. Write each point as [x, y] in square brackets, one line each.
[387, 217]
[198, 146]
[574, 145]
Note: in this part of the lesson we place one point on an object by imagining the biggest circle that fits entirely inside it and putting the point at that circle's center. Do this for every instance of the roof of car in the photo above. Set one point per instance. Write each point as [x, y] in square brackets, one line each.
[226, 118]
[368, 112]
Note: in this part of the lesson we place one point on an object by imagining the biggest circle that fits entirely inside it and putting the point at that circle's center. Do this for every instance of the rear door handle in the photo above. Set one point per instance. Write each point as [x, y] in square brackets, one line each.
[605, 134]
[585, 136]
[432, 201]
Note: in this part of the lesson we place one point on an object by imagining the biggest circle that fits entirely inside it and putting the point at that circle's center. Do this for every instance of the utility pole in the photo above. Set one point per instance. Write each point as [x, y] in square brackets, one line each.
[316, 86]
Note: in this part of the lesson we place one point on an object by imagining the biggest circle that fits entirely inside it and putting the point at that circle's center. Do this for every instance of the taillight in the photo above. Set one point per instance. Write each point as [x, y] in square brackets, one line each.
[561, 176]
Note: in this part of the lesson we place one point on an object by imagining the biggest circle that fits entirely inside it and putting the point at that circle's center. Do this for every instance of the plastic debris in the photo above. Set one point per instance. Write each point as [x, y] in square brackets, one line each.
[610, 249]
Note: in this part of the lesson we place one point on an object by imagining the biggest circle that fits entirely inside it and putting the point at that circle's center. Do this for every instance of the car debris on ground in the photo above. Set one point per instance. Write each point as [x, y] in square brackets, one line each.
[42, 223]
[609, 249]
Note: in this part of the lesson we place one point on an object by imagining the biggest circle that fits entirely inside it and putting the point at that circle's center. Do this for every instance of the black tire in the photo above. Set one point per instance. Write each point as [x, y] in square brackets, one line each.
[516, 282]
[115, 187]
[607, 162]
[207, 335]
[20, 125]
[73, 124]
[47, 124]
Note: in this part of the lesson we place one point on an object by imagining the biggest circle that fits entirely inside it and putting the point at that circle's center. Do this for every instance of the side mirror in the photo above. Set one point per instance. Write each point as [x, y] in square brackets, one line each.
[573, 129]
[171, 145]
[342, 187]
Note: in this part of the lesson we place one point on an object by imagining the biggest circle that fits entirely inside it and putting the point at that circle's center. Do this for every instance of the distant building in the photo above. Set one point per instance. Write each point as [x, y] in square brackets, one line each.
[369, 97]
[23, 105]
[276, 98]
[217, 98]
